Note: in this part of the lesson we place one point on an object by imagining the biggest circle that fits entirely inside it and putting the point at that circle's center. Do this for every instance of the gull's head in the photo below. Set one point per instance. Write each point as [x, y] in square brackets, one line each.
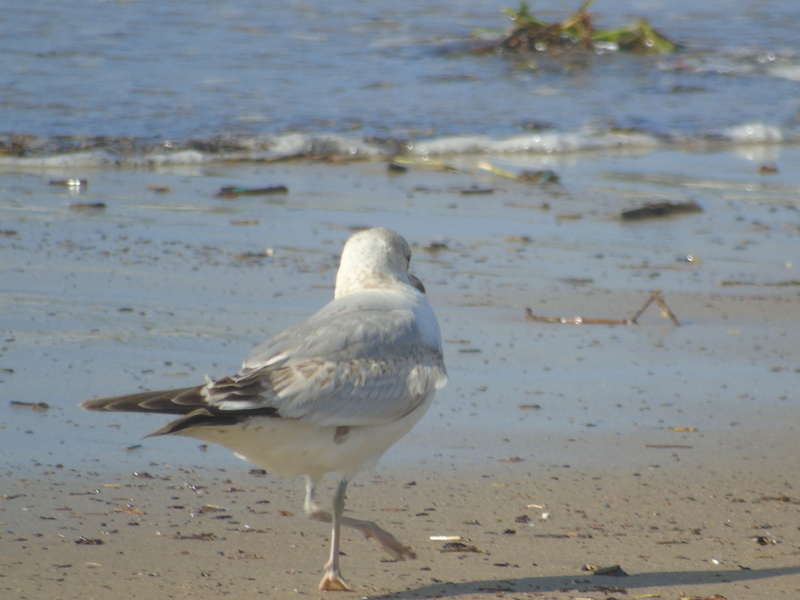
[375, 259]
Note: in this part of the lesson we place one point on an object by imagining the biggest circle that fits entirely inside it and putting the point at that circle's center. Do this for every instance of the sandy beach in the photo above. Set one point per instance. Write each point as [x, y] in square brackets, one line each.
[676, 528]
[668, 451]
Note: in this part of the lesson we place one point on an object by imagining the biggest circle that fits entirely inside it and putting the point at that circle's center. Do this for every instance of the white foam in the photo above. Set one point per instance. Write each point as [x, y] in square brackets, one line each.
[540, 142]
[755, 133]
[89, 158]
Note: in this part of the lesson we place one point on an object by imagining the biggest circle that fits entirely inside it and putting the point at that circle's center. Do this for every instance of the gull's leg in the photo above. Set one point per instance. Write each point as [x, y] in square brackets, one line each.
[310, 506]
[332, 580]
[386, 540]
[390, 544]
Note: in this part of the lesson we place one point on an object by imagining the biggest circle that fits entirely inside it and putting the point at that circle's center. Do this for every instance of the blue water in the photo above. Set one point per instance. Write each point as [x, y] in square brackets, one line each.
[142, 77]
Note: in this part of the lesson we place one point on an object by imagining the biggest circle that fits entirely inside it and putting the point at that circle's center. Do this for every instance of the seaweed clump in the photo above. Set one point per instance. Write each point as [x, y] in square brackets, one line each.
[530, 34]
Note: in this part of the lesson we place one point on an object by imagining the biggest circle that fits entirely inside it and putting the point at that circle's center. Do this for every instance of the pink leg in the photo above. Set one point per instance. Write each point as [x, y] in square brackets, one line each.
[332, 580]
[391, 545]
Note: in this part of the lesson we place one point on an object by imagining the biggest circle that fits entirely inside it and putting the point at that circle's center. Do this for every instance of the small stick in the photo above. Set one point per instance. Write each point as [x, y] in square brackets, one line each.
[655, 296]
[575, 320]
[665, 310]
[646, 304]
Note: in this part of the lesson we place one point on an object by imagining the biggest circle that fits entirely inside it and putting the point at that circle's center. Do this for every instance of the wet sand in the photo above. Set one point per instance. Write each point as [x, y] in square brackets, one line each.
[669, 451]
[528, 530]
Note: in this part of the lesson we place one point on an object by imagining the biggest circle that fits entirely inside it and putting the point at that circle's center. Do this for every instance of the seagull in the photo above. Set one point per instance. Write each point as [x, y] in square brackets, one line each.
[330, 394]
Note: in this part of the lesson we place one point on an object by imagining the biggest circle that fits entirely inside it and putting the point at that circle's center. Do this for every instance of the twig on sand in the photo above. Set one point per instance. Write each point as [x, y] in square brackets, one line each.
[655, 296]
[666, 312]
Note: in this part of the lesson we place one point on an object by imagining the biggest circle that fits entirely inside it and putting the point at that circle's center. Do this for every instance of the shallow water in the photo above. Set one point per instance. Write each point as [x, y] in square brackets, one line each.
[126, 79]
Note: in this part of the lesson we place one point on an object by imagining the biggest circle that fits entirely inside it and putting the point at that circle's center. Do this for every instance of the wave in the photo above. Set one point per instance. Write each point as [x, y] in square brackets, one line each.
[19, 150]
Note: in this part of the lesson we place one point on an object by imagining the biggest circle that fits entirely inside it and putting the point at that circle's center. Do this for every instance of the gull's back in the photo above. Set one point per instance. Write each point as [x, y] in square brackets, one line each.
[333, 392]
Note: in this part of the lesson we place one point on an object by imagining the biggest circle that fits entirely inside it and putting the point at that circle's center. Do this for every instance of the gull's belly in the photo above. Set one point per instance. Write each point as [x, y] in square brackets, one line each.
[290, 447]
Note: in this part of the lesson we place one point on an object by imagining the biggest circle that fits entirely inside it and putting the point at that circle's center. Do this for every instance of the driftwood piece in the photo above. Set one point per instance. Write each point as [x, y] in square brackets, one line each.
[37, 406]
[653, 210]
[655, 296]
[233, 191]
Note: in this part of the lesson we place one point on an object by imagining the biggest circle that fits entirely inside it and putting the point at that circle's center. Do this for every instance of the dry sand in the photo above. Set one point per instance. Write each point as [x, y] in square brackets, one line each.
[669, 451]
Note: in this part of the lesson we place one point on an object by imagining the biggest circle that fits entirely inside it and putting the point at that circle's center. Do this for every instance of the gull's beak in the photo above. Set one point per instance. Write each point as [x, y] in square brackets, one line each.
[416, 283]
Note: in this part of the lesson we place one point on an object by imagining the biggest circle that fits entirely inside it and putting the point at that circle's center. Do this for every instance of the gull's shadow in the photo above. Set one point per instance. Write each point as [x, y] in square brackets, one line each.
[588, 582]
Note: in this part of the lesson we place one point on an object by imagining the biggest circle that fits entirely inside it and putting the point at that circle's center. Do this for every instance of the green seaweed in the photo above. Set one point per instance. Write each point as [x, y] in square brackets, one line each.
[531, 34]
[641, 38]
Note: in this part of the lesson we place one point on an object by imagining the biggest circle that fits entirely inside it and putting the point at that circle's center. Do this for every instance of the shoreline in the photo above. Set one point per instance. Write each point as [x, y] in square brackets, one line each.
[658, 448]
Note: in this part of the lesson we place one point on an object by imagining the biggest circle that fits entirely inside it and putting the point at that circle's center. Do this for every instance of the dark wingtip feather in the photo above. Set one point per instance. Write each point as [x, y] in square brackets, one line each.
[174, 402]
[198, 418]
[97, 404]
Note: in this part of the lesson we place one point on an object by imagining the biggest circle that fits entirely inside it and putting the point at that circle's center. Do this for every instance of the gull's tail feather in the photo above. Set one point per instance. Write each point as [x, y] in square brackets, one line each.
[171, 402]
[190, 403]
